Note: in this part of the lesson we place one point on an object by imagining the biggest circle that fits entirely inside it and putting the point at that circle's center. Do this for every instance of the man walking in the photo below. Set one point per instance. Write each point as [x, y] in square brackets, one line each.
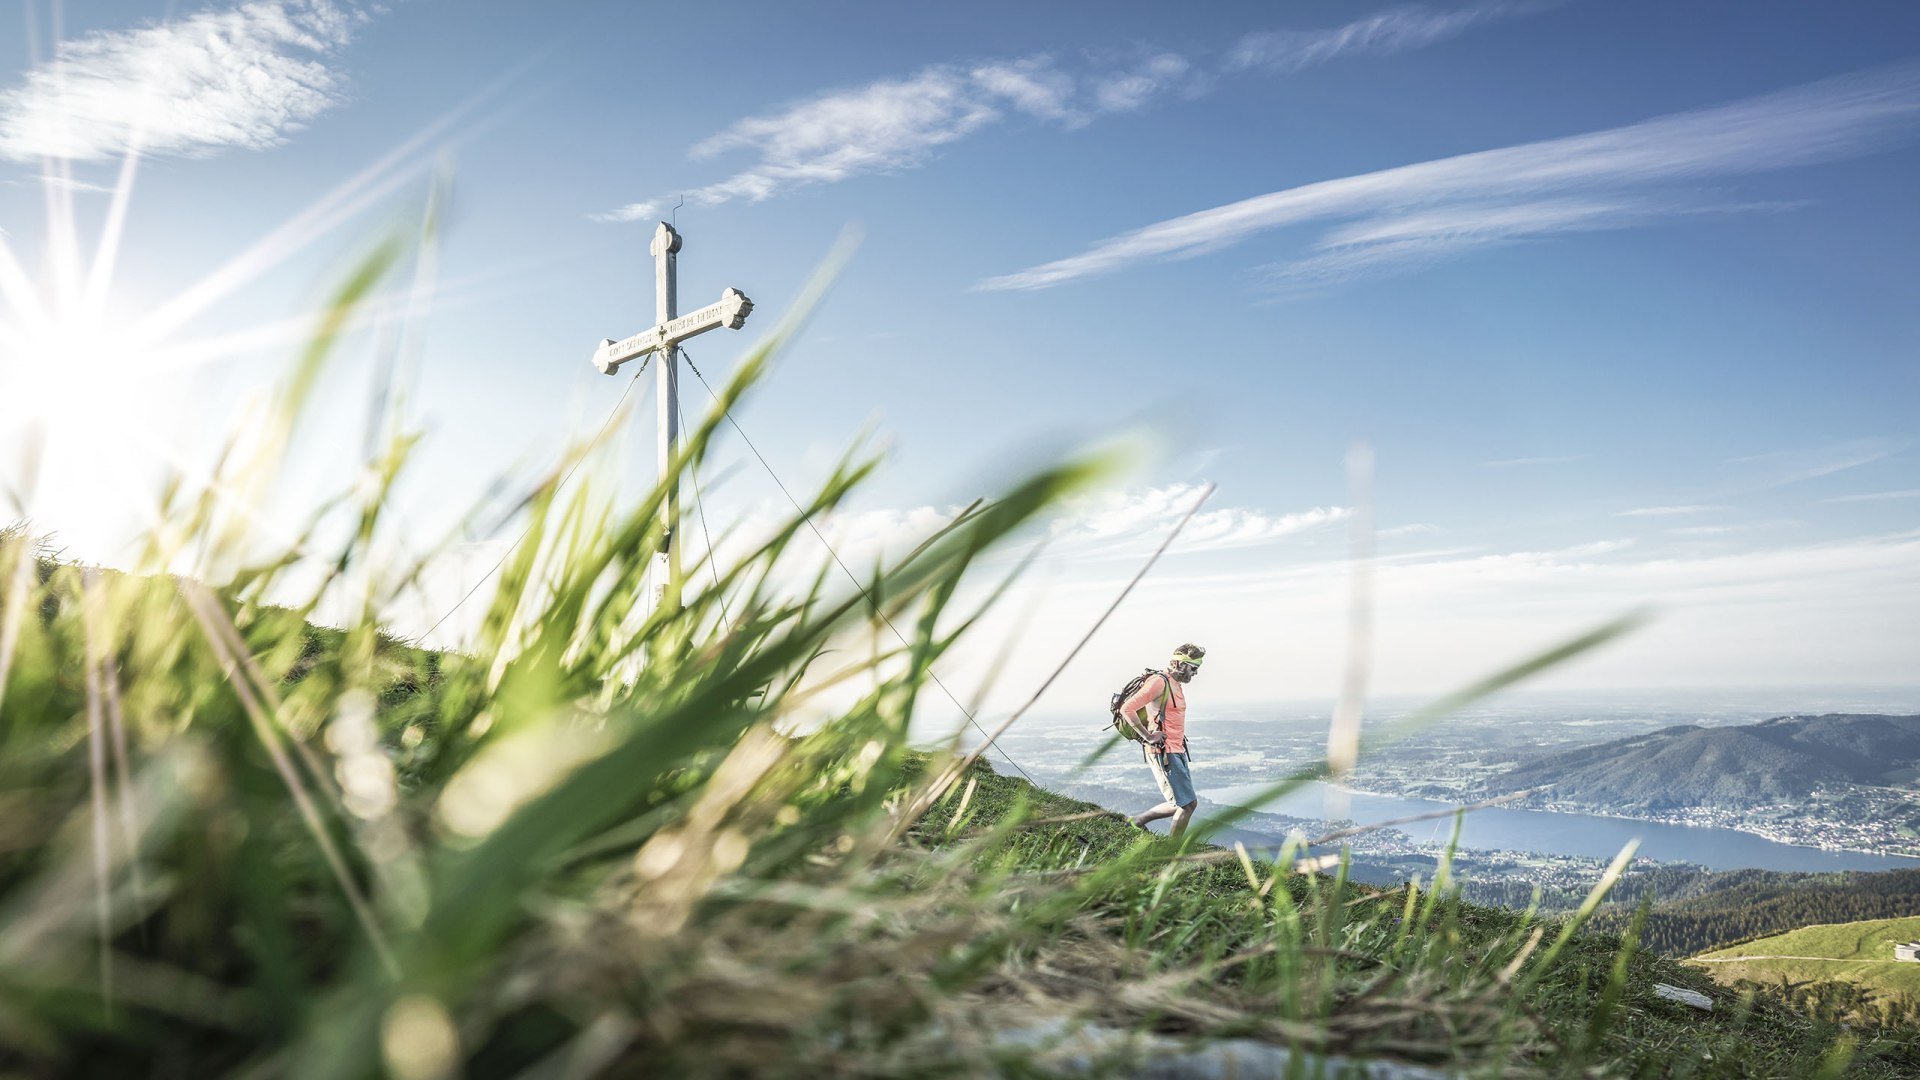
[1164, 696]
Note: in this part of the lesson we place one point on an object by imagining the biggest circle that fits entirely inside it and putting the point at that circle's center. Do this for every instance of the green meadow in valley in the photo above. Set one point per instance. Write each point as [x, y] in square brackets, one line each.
[1859, 954]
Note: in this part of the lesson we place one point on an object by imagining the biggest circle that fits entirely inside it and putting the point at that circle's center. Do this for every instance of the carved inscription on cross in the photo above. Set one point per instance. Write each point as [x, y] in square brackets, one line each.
[730, 312]
[670, 329]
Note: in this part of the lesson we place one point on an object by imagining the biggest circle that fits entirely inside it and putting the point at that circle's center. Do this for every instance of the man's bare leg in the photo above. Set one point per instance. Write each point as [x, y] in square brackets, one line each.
[1167, 807]
[1164, 810]
[1182, 815]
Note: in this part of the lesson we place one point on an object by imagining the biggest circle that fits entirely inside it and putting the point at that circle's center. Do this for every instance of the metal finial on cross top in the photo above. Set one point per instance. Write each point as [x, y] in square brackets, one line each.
[664, 338]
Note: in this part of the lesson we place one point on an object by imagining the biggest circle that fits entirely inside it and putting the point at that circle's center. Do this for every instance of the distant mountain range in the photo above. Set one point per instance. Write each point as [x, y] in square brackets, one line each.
[1771, 762]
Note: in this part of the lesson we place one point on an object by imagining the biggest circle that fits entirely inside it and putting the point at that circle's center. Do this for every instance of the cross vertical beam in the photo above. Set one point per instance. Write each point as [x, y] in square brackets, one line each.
[666, 294]
[664, 338]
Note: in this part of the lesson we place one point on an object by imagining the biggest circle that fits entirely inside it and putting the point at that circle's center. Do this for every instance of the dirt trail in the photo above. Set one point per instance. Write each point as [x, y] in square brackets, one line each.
[1828, 959]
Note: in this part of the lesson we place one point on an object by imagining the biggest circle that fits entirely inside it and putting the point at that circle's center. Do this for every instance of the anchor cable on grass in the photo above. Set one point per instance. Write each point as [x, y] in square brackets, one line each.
[518, 540]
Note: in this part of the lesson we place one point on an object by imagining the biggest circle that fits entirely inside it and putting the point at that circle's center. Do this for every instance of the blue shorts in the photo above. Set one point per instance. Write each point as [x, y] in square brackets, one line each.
[1175, 780]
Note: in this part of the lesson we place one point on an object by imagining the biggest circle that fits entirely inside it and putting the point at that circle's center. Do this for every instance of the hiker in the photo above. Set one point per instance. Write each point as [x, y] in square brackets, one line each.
[1158, 711]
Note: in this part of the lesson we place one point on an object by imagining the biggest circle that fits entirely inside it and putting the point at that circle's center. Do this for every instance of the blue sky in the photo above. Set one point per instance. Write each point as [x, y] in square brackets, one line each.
[1618, 294]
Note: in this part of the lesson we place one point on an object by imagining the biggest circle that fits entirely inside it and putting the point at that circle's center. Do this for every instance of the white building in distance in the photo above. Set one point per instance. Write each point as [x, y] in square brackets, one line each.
[1909, 951]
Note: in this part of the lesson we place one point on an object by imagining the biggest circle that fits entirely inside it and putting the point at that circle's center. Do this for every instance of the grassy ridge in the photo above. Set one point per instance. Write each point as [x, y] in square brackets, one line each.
[1591, 1010]
[1870, 940]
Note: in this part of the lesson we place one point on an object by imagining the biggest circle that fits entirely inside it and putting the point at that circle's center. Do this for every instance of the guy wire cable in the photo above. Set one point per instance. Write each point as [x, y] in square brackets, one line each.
[700, 503]
[588, 449]
[808, 518]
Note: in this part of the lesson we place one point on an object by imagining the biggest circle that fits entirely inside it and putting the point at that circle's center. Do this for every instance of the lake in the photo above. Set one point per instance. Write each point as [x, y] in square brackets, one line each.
[1498, 827]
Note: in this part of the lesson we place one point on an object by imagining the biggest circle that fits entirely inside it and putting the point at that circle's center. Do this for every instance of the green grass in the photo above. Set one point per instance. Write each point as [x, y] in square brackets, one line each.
[608, 841]
[1858, 953]
[1593, 1008]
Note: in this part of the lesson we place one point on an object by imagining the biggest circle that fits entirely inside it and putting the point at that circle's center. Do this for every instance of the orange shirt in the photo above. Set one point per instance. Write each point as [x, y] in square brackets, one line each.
[1174, 723]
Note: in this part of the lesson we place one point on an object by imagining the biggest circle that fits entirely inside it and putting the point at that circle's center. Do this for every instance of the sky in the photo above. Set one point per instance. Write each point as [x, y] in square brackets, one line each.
[1613, 299]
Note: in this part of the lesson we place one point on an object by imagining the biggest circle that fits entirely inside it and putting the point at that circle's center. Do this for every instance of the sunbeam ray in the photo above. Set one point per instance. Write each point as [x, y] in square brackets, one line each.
[107, 253]
[347, 199]
[17, 290]
[56, 181]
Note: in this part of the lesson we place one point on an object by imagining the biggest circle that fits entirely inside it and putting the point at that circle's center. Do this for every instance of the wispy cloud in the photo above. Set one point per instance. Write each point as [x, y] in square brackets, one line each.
[1124, 522]
[898, 123]
[1606, 574]
[1730, 614]
[1132, 88]
[64, 183]
[238, 77]
[1390, 31]
[1668, 511]
[1520, 462]
[1732, 529]
[1033, 86]
[1121, 523]
[1450, 204]
[1408, 242]
[1777, 468]
[1876, 496]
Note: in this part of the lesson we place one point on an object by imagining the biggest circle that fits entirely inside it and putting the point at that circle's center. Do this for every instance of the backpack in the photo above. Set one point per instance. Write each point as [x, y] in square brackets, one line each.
[1119, 723]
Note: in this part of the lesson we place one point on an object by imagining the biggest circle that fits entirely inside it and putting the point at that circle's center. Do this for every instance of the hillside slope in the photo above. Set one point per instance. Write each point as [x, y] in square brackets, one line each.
[1695, 911]
[1856, 953]
[1642, 1034]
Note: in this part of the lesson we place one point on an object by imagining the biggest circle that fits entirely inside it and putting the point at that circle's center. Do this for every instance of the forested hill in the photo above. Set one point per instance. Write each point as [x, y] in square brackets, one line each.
[1771, 762]
[1695, 911]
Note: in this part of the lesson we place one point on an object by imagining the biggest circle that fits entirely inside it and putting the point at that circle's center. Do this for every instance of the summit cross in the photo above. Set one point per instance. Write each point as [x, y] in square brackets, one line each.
[664, 337]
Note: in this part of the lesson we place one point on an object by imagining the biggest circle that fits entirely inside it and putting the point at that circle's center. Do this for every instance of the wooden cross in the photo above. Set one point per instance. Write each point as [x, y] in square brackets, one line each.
[664, 338]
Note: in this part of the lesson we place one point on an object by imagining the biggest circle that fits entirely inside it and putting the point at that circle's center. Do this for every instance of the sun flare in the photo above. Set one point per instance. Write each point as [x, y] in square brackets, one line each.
[95, 393]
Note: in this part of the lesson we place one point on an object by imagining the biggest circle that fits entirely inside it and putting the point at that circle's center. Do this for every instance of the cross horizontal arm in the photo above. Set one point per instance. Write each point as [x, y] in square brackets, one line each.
[731, 312]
